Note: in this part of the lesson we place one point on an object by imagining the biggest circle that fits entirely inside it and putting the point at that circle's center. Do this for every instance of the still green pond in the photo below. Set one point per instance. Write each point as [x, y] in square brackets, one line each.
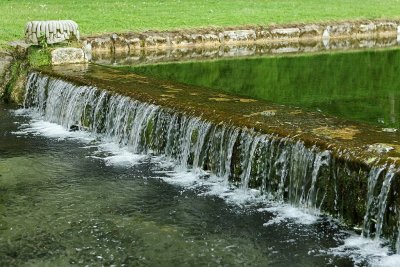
[362, 86]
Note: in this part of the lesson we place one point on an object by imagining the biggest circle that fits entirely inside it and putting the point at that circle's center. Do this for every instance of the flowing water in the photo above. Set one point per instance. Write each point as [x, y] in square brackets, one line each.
[69, 200]
[361, 86]
[92, 178]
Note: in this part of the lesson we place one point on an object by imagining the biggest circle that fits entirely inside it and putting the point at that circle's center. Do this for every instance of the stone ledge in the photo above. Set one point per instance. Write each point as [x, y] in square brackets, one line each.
[129, 42]
[171, 54]
[68, 55]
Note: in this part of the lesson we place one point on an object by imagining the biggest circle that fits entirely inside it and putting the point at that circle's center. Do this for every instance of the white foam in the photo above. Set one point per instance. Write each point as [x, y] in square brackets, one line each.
[362, 250]
[212, 185]
[390, 261]
[288, 213]
[110, 152]
[237, 196]
[114, 155]
[182, 178]
[52, 130]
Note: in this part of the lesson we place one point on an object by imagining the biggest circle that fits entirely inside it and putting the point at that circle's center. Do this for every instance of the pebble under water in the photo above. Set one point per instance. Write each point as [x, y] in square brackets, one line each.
[69, 199]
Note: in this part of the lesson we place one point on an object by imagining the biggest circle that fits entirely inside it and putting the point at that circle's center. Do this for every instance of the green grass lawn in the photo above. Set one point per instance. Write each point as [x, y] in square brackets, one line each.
[98, 16]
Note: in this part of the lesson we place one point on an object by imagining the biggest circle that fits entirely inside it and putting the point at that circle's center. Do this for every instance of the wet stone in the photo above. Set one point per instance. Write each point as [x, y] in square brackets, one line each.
[380, 148]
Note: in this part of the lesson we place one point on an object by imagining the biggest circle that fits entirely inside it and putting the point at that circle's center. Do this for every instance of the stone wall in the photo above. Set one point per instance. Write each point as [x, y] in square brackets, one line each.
[170, 54]
[327, 32]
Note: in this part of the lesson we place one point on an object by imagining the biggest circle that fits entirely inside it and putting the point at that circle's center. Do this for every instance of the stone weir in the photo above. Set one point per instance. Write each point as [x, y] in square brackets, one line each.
[348, 170]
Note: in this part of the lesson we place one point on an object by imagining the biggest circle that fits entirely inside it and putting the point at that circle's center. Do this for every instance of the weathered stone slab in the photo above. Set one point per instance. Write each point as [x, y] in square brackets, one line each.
[311, 31]
[70, 55]
[102, 43]
[262, 33]
[156, 40]
[211, 37]
[133, 41]
[386, 26]
[367, 28]
[238, 35]
[345, 29]
[286, 32]
[182, 40]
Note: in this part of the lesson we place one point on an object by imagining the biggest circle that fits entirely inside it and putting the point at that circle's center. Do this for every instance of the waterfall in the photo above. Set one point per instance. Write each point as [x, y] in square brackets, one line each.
[283, 169]
[370, 213]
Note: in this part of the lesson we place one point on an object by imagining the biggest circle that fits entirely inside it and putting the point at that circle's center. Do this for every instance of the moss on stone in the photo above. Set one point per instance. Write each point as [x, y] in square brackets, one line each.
[14, 88]
[148, 134]
[23, 62]
[38, 57]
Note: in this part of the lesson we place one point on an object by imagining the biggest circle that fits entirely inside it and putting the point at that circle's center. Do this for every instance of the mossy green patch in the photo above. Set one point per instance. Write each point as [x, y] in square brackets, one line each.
[14, 87]
[148, 136]
[38, 57]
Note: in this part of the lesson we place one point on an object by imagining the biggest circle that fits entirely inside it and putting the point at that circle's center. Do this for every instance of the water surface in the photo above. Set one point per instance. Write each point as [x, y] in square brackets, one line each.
[362, 86]
[63, 204]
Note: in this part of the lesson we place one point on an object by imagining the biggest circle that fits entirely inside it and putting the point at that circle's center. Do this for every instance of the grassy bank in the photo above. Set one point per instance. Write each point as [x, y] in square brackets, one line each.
[95, 16]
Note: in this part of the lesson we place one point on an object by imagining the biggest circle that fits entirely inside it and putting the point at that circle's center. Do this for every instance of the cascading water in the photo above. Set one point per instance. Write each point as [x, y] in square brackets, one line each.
[281, 168]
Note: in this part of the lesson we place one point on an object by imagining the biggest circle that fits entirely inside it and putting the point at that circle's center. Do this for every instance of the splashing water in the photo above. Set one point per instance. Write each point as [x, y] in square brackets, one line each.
[280, 168]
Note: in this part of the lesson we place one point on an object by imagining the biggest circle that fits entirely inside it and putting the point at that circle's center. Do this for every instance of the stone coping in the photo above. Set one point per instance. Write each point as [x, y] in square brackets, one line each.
[129, 42]
[180, 54]
[349, 141]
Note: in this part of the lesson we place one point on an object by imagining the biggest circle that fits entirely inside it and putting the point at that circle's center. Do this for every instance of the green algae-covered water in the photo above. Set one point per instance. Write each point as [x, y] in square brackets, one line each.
[362, 86]
[70, 199]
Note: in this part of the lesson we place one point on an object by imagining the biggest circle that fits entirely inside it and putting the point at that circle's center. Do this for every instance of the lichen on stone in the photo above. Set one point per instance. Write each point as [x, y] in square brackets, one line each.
[220, 99]
[266, 113]
[247, 100]
[346, 133]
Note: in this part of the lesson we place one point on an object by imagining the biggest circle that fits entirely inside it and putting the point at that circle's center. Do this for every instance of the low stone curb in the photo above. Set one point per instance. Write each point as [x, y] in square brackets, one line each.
[128, 42]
